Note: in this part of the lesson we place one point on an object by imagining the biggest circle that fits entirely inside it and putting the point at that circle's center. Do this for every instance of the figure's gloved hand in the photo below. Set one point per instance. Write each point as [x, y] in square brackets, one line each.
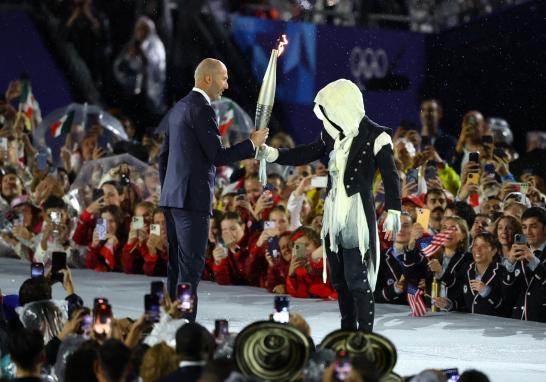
[270, 154]
[391, 225]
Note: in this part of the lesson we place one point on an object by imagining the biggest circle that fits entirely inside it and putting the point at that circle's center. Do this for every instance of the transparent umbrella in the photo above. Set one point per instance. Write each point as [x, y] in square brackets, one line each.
[124, 168]
[85, 116]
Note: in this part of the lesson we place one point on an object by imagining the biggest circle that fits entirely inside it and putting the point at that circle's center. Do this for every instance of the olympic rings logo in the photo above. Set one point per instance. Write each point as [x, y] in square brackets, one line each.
[368, 63]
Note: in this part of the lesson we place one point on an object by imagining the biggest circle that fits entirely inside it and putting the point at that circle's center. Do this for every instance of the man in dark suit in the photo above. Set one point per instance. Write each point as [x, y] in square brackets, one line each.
[191, 150]
[356, 146]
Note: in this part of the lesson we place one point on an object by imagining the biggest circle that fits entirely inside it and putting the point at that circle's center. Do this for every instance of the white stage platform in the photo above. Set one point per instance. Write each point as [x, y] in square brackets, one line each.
[505, 349]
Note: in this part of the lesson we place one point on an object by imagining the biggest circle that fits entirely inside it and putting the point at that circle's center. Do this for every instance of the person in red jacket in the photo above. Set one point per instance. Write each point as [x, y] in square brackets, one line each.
[157, 256]
[232, 262]
[259, 242]
[213, 239]
[305, 272]
[277, 269]
[112, 196]
[105, 255]
[132, 257]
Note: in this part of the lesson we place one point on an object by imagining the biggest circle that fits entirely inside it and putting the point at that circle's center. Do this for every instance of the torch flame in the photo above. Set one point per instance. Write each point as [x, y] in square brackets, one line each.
[282, 41]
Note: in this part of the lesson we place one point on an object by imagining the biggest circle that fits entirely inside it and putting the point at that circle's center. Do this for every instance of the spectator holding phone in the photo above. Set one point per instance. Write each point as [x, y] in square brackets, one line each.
[470, 139]
[278, 264]
[305, 272]
[232, 261]
[298, 205]
[27, 222]
[155, 261]
[526, 268]
[403, 263]
[133, 254]
[110, 193]
[104, 252]
[505, 229]
[11, 185]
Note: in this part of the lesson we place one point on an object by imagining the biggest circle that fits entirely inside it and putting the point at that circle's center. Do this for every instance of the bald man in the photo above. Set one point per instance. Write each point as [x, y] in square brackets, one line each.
[191, 150]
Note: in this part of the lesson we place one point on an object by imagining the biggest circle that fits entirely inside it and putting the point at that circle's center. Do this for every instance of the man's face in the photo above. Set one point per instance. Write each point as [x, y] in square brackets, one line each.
[430, 113]
[534, 231]
[436, 203]
[219, 83]
[253, 189]
[490, 206]
[480, 225]
[482, 251]
[111, 195]
[11, 186]
[403, 236]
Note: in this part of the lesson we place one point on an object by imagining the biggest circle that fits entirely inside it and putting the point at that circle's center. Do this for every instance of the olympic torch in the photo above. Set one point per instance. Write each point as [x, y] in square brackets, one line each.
[266, 98]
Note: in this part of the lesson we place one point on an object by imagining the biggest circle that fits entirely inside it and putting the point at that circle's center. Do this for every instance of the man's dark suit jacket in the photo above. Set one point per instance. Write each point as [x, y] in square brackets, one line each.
[190, 152]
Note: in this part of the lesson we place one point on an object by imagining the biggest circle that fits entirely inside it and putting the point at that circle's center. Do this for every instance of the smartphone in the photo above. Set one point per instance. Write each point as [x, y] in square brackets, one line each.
[151, 307]
[137, 222]
[269, 187]
[298, 250]
[520, 239]
[474, 157]
[36, 270]
[58, 262]
[102, 319]
[97, 193]
[155, 229]
[487, 139]
[41, 161]
[185, 294]
[431, 171]
[55, 217]
[241, 194]
[221, 330]
[281, 309]
[102, 228]
[412, 176]
[3, 144]
[473, 178]
[343, 366]
[124, 179]
[157, 288]
[87, 322]
[269, 224]
[319, 181]
[98, 301]
[273, 246]
[452, 375]
[489, 168]
[423, 217]
[499, 152]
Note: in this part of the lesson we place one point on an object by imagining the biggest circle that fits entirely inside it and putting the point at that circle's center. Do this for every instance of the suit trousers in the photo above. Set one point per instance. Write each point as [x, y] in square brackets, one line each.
[350, 279]
[187, 233]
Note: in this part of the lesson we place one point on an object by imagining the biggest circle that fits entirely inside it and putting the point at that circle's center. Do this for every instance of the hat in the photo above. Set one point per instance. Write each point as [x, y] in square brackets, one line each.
[413, 199]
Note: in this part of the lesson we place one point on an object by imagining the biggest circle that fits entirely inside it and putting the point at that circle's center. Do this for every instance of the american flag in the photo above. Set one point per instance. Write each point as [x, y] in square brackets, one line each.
[416, 301]
[437, 241]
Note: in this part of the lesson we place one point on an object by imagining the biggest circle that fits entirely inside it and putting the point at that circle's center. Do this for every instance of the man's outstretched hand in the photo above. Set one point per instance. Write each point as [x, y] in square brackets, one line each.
[259, 137]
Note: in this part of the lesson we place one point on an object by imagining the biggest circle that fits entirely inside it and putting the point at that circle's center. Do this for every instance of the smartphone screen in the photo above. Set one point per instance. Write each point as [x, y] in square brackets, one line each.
[36, 269]
[103, 319]
[281, 309]
[157, 288]
[41, 161]
[87, 323]
[452, 375]
[343, 366]
[151, 307]
[221, 330]
[184, 292]
[58, 262]
[102, 228]
[97, 193]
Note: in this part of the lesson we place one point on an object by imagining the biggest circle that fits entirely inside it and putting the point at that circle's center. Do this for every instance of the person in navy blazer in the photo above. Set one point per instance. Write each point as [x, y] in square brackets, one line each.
[191, 150]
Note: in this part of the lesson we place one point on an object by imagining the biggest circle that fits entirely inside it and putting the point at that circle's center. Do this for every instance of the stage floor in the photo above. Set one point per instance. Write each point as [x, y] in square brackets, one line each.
[505, 349]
